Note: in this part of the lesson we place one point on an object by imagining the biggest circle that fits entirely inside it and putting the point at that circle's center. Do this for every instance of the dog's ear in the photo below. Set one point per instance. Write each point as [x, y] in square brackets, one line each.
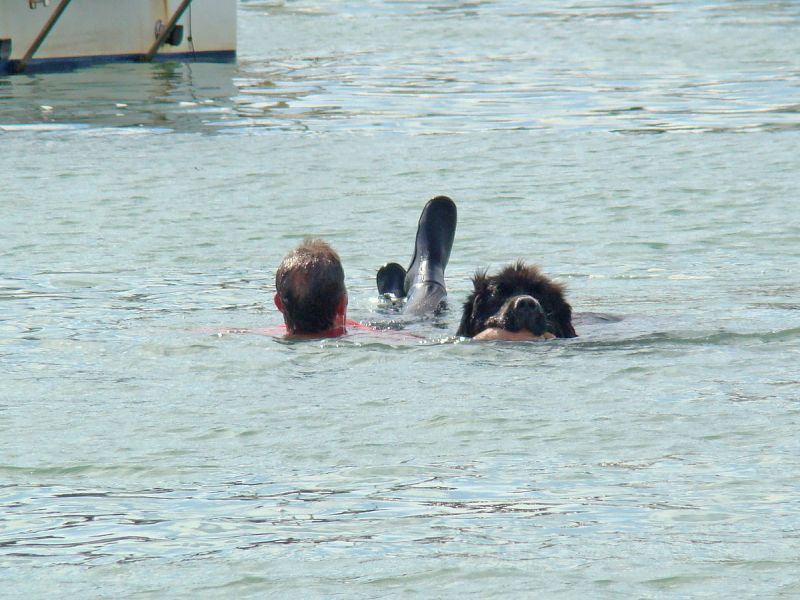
[559, 311]
[479, 289]
[561, 320]
[465, 327]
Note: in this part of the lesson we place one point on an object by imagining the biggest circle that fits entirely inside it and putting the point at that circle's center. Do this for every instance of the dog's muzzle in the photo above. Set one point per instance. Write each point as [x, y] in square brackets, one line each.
[518, 313]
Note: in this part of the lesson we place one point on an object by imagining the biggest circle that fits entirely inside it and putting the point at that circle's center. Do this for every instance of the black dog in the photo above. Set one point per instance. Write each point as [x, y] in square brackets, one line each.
[518, 297]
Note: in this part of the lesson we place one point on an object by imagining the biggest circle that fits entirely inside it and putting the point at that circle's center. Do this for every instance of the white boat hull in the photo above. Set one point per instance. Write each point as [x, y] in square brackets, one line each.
[103, 30]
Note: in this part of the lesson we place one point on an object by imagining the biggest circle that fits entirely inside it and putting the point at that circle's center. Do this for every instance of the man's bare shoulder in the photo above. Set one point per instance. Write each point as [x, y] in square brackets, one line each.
[280, 331]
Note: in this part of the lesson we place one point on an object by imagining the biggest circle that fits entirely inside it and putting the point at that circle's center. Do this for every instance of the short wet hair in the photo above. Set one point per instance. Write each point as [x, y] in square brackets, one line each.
[310, 285]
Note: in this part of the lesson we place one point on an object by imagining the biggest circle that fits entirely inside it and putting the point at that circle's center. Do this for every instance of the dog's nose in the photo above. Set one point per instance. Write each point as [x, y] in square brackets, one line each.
[525, 302]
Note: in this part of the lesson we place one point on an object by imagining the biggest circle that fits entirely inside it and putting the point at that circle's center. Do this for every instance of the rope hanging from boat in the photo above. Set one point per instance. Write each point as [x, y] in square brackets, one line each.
[165, 32]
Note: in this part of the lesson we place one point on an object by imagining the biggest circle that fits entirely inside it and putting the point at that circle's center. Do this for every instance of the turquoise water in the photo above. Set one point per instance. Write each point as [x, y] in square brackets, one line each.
[647, 154]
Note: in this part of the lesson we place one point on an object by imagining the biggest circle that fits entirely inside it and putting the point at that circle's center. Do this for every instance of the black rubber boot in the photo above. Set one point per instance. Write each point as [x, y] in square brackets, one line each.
[391, 280]
[424, 280]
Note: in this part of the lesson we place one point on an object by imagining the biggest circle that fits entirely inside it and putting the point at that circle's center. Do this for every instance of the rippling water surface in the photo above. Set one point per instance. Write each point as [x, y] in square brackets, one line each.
[644, 153]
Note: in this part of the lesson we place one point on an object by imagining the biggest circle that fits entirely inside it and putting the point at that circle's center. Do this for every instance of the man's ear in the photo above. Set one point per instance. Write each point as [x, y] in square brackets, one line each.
[278, 304]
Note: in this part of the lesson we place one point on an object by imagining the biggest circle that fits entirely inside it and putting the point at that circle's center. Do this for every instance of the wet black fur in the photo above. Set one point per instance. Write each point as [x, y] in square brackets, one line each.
[490, 293]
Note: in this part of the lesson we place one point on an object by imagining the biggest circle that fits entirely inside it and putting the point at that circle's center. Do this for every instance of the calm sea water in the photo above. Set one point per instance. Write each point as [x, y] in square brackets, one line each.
[647, 154]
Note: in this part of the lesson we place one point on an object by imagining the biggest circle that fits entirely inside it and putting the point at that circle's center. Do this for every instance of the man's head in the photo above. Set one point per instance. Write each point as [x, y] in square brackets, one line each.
[310, 289]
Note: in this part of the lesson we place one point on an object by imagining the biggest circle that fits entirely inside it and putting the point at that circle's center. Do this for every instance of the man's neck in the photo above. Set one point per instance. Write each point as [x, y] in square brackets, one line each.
[328, 333]
[338, 329]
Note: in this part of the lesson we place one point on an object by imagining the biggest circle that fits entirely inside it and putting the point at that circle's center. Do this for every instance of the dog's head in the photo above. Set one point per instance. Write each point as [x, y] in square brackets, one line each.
[505, 299]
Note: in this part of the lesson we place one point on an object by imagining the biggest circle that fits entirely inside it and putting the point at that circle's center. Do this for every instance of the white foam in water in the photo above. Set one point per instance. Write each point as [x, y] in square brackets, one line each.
[44, 127]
